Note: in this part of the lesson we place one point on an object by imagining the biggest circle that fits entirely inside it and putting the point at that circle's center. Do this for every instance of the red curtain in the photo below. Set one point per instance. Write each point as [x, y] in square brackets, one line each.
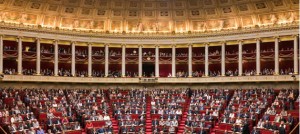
[165, 70]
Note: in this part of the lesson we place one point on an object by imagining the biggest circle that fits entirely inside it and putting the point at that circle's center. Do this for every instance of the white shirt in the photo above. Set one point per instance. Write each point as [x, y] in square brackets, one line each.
[106, 117]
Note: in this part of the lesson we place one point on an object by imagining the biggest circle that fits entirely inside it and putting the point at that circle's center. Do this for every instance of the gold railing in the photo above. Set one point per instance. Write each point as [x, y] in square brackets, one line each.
[2, 131]
[294, 131]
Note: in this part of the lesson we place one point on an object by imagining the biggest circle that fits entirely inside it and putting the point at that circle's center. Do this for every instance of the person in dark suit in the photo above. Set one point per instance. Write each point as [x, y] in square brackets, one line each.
[267, 125]
[235, 128]
[155, 122]
[245, 128]
[273, 126]
[101, 130]
[282, 128]
[255, 131]
[124, 130]
[266, 117]
[290, 120]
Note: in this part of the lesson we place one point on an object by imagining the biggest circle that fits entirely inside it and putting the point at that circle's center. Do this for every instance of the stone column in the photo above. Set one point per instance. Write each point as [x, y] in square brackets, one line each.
[257, 56]
[190, 68]
[173, 60]
[106, 59]
[206, 60]
[156, 60]
[223, 60]
[20, 69]
[240, 58]
[296, 54]
[90, 60]
[73, 60]
[276, 56]
[38, 57]
[1, 54]
[55, 58]
[140, 64]
[123, 60]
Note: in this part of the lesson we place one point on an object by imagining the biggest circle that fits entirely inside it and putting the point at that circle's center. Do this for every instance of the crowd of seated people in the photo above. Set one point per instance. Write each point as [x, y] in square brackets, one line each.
[114, 53]
[204, 110]
[93, 110]
[129, 109]
[15, 115]
[65, 51]
[215, 53]
[29, 71]
[47, 50]
[64, 72]
[181, 54]
[162, 54]
[98, 53]
[167, 109]
[245, 108]
[249, 72]
[249, 51]
[198, 54]
[287, 49]
[98, 73]
[114, 74]
[133, 53]
[81, 52]
[278, 117]
[81, 73]
[184, 74]
[233, 52]
[9, 48]
[232, 73]
[197, 74]
[267, 71]
[131, 74]
[214, 73]
[9, 71]
[288, 71]
[47, 72]
[148, 54]
[267, 50]
[181, 74]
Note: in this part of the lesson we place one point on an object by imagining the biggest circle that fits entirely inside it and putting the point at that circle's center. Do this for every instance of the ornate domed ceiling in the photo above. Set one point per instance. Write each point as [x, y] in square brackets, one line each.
[153, 16]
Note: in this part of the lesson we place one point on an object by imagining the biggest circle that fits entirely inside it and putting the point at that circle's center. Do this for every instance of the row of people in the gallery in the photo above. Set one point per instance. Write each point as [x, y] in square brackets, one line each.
[66, 72]
[62, 50]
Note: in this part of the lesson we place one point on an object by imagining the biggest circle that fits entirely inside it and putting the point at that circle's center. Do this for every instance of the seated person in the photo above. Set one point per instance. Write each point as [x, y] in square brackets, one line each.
[89, 125]
[273, 126]
[238, 121]
[283, 113]
[65, 120]
[101, 130]
[236, 128]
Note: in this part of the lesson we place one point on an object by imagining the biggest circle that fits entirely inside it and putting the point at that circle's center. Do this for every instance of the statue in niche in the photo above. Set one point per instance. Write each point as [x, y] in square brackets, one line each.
[140, 27]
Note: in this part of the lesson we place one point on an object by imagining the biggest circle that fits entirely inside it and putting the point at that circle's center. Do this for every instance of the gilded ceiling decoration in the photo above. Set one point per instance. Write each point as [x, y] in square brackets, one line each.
[150, 16]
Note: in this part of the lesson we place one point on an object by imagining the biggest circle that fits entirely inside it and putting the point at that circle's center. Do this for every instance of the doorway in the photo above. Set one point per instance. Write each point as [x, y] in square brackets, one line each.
[148, 70]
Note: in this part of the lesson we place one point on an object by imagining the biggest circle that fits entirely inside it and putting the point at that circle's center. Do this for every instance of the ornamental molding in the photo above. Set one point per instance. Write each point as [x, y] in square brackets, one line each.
[151, 39]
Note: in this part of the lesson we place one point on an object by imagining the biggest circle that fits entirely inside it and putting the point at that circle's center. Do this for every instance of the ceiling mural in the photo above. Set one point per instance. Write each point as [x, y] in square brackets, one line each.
[152, 16]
